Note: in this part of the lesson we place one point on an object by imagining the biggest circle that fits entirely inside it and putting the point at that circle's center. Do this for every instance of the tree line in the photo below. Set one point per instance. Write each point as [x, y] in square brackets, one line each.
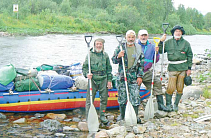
[114, 16]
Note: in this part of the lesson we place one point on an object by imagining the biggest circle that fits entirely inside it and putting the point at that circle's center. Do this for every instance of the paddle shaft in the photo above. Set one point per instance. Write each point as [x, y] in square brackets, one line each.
[149, 109]
[153, 71]
[123, 64]
[130, 115]
[162, 60]
[89, 66]
[125, 77]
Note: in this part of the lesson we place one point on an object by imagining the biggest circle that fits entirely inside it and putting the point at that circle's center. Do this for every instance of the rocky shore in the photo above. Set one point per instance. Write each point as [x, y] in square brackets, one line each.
[4, 34]
[192, 120]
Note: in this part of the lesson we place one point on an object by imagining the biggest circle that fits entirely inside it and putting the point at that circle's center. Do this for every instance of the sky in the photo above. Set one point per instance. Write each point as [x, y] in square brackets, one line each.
[203, 6]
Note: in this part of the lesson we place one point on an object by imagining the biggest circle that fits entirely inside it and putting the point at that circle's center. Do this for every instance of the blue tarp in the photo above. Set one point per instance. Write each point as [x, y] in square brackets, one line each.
[6, 87]
[55, 82]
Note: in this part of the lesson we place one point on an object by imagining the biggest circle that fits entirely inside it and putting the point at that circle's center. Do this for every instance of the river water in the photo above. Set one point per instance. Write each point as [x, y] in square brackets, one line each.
[32, 51]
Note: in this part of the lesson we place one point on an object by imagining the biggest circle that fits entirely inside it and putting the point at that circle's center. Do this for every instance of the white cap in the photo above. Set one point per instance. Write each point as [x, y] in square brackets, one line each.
[141, 32]
[130, 32]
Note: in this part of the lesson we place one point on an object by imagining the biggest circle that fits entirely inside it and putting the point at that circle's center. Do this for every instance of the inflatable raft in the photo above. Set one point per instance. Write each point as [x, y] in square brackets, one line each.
[56, 100]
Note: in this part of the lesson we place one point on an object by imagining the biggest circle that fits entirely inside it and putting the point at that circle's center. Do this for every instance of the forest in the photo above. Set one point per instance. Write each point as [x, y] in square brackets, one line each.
[37, 17]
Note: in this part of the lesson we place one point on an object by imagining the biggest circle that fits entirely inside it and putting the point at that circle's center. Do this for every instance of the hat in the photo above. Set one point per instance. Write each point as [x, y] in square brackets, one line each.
[187, 80]
[100, 40]
[129, 32]
[141, 32]
[177, 27]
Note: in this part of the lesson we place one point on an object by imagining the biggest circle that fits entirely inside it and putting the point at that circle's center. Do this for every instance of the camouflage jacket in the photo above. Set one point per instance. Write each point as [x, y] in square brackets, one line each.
[137, 70]
[100, 66]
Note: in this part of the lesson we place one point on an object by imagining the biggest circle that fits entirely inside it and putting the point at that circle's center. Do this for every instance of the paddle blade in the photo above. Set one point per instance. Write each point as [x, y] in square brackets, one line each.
[93, 123]
[149, 109]
[130, 115]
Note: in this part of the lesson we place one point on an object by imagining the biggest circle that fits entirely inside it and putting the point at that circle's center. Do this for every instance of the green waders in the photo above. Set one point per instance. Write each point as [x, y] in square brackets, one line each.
[100, 86]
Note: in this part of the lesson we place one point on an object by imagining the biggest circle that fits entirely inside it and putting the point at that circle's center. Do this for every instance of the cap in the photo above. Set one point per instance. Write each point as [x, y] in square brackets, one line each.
[129, 32]
[141, 32]
[177, 27]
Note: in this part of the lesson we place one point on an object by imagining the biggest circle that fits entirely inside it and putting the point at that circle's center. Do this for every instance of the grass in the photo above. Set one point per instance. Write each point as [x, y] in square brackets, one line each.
[207, 92]
[175, 124]
[44, 23]
[197, 112]
[192, 116]
[208, 104]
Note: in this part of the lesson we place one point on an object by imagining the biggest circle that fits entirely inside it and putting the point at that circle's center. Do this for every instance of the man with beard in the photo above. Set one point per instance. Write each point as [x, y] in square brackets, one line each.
[134, 66]
[180, 56]
[100, 76]
[149, 52]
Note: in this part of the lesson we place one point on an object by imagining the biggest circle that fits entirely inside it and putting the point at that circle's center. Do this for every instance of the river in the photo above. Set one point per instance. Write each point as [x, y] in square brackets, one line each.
[32, 51]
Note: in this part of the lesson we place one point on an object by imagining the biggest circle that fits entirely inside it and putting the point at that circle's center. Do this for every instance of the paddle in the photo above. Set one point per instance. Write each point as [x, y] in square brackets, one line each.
[92, 120]
[149, 109]
[165, 27]
[130, 115]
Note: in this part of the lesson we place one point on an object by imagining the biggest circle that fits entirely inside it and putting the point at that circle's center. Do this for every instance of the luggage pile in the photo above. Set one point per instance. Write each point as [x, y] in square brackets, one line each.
[43, 77]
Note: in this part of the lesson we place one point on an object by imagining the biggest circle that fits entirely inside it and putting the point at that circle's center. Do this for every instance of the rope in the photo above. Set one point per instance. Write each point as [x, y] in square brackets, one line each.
[35, 84]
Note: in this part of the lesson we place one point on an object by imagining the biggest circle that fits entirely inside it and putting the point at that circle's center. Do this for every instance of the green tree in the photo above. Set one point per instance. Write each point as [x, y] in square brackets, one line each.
[168, 6]
[58, 1]
[182, 13]
[207, 19]
[37, 6]
[126, 14]
[76, 3]
[6, 6]
[195, 18]
[65, 7]
[173, 19]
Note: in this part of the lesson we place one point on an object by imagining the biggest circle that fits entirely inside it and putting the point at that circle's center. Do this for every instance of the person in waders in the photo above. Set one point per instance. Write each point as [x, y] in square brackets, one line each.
[100, 76]
[179, 54]
[149, 52]
[134, 66]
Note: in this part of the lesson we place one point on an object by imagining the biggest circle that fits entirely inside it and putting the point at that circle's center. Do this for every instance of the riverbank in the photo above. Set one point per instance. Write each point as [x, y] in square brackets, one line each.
[195, 103]
[39, 32]
[46, 23]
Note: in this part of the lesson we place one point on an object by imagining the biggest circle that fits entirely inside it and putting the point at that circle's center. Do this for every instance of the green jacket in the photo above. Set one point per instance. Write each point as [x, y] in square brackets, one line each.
[137, 70]
[178, 50]
[100, 66]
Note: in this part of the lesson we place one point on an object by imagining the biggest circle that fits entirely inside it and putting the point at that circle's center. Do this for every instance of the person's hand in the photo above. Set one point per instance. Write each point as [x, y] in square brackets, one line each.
[89, 76]
[121, 54]
[109, 85]
[188, 72]
[139, 81]
[163, 38]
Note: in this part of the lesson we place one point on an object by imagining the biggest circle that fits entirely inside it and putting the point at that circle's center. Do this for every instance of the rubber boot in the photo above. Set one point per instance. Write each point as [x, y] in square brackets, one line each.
[136, 111]
[103, 118]
[176, 103]
[122, 112]
[168, 103]
[161, 106]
